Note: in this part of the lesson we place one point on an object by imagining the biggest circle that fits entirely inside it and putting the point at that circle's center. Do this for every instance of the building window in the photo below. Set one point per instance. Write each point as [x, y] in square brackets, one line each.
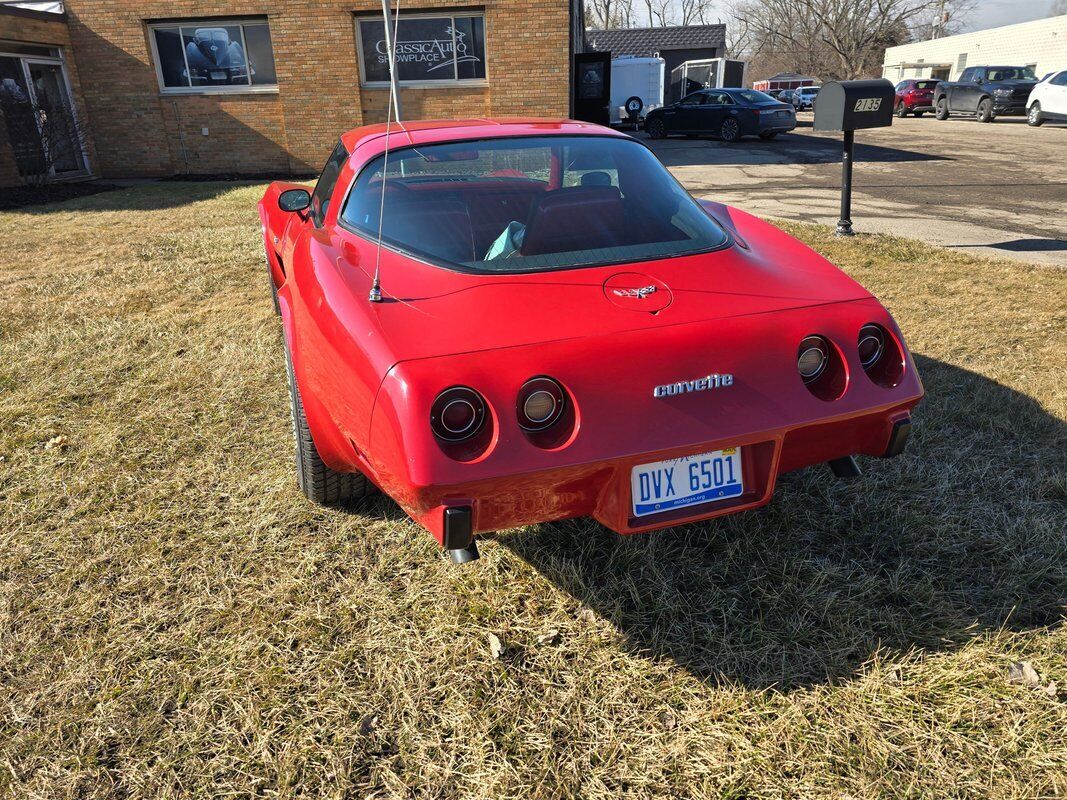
[430, 49]
[213, 56]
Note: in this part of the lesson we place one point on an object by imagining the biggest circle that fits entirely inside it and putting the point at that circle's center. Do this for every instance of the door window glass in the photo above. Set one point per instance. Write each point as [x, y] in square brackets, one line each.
[320, 198]
[60, 135]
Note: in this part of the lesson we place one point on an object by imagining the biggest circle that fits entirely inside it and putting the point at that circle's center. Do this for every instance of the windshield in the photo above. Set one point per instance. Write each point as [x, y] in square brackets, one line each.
[1011, 74]
[529, 204]
[810, 90]
[756, 97]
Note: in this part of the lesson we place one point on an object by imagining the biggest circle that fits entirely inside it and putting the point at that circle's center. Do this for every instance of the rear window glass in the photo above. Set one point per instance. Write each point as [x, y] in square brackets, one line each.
[529, 204]
[925, 84]
[756, 97]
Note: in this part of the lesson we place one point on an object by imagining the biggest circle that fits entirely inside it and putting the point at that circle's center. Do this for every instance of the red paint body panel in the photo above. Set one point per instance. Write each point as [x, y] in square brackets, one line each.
[369, 372]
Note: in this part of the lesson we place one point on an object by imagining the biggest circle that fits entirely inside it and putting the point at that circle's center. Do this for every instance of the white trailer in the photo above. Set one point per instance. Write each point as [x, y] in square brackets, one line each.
[635, 77]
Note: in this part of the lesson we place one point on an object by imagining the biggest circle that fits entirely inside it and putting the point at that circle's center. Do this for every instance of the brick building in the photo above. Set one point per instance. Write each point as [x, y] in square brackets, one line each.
[266, 86]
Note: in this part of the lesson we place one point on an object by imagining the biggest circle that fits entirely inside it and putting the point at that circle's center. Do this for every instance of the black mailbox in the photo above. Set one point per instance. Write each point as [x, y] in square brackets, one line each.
[854, 105]
[850, 106]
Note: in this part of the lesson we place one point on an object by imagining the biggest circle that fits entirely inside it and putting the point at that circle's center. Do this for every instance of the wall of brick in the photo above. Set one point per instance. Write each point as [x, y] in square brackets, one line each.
[141, 132]
[21, 25]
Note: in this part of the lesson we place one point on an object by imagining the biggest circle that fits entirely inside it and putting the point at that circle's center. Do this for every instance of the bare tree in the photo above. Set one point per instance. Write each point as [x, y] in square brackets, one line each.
[830, 38]
[943, 19]
[610, 13]
[660, 13]
[44, 133]
[1058, 7]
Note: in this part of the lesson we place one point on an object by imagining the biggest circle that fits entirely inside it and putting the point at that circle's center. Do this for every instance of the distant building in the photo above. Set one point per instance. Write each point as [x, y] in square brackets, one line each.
[674, 44]
[783, 80]
[236, 87]
[1041, 44]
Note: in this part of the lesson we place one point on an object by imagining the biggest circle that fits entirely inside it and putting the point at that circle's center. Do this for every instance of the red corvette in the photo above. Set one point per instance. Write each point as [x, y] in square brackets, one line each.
[561, 330]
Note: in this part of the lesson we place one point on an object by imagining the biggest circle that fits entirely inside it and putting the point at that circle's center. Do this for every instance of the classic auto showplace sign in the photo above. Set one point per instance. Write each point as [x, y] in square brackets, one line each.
[428, 48]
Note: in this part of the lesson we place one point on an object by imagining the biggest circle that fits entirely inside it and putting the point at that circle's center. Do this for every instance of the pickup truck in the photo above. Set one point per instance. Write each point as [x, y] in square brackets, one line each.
[985, 92]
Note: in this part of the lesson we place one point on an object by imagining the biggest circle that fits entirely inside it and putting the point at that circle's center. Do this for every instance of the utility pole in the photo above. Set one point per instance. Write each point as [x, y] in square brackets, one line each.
[389, 45]
[939, 24]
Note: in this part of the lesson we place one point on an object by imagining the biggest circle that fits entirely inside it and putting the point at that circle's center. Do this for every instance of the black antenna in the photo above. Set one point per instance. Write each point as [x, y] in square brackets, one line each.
[375, 294]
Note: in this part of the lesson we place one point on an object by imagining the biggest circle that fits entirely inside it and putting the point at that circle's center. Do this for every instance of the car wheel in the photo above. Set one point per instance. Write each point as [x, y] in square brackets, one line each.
[902, 110]
[730, 130]
[318, 482]
[941, 112]
[985, 110]
[1034, 118]
[655, 128]
[766, 135]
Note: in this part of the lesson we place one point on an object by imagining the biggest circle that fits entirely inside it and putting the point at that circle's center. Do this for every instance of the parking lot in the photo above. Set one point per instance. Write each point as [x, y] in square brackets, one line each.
[998, 189]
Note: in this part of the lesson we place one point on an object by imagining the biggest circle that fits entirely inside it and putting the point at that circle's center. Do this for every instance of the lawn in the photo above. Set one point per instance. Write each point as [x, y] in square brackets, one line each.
[177, 621]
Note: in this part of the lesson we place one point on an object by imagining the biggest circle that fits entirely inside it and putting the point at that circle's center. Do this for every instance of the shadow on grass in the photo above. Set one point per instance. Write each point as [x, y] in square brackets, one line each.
[148, 196]
[967, 531]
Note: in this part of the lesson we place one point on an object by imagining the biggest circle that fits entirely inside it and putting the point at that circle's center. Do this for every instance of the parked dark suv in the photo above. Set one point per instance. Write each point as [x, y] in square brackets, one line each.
[985, 92]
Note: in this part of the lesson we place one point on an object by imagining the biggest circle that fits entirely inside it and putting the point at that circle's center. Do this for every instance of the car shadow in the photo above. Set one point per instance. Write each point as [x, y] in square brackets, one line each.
[964, 533]
[1027, 245]
[786, 148]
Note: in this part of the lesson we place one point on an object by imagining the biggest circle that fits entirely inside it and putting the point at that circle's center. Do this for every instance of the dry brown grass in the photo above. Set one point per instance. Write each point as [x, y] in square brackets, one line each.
[175, 620]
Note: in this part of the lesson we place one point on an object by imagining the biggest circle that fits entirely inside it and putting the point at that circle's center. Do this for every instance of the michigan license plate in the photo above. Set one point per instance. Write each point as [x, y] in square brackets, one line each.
[684, 482]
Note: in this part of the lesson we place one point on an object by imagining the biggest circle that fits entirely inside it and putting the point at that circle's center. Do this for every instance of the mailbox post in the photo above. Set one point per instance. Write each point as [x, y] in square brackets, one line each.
[849, 106]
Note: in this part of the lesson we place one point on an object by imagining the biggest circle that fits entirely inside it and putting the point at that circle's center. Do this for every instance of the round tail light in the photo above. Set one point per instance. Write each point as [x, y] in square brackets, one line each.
[812, 356]
[540, 404]
[871, 345]
[457, 414]
[880, 354]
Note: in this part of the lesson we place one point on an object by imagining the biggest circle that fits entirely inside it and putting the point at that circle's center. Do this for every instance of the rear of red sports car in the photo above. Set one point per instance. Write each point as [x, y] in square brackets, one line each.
[564, 332]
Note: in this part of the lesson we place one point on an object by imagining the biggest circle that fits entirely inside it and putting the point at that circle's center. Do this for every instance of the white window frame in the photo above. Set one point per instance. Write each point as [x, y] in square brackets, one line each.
[449, 14]
[249, 88]
[57, 60]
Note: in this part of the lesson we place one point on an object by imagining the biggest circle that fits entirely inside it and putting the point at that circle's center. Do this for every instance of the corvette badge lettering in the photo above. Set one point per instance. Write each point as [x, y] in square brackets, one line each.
[715, 381]
[640, 293]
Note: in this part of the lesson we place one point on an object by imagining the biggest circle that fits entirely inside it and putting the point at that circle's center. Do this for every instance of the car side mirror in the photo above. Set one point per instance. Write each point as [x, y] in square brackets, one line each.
[294, 200]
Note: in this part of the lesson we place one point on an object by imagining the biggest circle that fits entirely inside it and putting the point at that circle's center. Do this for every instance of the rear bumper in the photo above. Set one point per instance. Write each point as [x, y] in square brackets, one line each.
[601, 490]
[777, 124]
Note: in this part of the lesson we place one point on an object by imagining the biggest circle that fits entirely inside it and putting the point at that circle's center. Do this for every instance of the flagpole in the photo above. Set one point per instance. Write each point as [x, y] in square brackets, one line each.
[387, 15]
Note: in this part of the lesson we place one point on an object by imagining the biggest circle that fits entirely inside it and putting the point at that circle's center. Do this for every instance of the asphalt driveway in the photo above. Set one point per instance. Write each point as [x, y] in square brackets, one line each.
[999, 189]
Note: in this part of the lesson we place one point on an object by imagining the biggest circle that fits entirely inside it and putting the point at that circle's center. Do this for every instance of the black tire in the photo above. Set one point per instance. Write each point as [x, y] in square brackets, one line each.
[1033, 116]
[768, 135]
[318, 482]
[655, 128]
[941, 111]
[730, 130]
[902, 110]
[985, 110]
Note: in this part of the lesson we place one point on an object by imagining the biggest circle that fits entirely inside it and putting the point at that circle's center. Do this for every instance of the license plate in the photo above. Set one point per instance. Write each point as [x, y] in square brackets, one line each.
[219, 76]
[688, 481]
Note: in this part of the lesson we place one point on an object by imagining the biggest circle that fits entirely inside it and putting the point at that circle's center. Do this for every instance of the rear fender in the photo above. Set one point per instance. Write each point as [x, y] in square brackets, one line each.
[336, 451]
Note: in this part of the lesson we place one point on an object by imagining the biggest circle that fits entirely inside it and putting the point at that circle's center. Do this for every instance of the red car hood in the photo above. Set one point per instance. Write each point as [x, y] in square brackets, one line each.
[432, 312]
